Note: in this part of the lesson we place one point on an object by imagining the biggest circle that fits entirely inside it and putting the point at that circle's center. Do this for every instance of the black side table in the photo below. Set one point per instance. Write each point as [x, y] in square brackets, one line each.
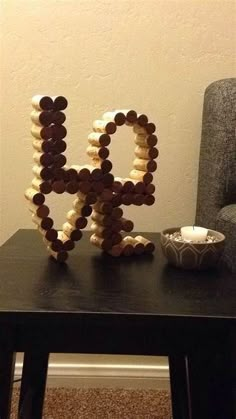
[99, 304]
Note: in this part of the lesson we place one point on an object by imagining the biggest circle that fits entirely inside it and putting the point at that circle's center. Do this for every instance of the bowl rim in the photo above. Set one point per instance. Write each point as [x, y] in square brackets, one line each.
[174, 229]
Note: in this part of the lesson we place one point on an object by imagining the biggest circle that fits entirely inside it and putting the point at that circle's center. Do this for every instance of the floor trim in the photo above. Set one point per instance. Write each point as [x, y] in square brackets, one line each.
[105, 375]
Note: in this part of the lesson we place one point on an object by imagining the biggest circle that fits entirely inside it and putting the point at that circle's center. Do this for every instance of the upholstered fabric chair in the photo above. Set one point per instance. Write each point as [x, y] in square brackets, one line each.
[216, 199]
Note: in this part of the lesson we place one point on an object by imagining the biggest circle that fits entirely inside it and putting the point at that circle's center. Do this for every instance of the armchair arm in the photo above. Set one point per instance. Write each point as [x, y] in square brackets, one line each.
[218, 151]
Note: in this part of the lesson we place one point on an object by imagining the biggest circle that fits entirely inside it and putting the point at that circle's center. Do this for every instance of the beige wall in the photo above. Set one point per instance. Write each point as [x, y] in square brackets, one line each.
[154, 55]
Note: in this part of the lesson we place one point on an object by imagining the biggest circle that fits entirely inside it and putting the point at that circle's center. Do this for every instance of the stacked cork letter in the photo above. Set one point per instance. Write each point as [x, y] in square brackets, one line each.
[97, 192]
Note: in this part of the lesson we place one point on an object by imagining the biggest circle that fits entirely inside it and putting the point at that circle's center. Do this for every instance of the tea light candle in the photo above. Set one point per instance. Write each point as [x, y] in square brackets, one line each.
[193, 233]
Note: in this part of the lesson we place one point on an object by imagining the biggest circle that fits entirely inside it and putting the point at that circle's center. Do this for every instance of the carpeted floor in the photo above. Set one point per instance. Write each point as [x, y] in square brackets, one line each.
[62, 403]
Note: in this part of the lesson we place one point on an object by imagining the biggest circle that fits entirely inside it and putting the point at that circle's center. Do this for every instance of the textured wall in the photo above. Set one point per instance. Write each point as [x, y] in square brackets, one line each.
[154, 55]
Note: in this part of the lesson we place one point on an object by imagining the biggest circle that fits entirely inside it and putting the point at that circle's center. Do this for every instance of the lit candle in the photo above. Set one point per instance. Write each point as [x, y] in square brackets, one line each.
[193, 233]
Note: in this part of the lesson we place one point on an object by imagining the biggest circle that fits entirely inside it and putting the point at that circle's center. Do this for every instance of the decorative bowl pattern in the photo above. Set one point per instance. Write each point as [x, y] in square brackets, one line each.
[192, 255]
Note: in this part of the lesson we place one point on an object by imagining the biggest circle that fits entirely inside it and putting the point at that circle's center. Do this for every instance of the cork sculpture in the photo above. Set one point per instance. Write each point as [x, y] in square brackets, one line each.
[97, 192]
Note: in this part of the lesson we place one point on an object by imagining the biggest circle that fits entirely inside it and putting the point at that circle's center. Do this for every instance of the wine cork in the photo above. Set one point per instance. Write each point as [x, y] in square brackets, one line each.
[67, 243]
[55, 245]
[142, 120]
[106, 195]
[95, 173]
[43, 133]
[102, 219]
[146, 153]
[127, 198]
[145, 140]
[45, 223]
[142, 176]
[42, 103]
[34, 196]
[41, 211]
[97, 187]
[50, 235]
[115, 251]
[101, 231]
[60, 256]
[116, 225]
[76, 220]
[59, 160]
[59, 173]
[43, 159]
[41, 118]
[127, 225]
[117, 186]
[59, 103]
[59, 146]
[85, 187]
[97, 152]
[127, 184]
[72, 187]
[72, 232]
[58, 118]
[88, 172]
[58, 132]
[149, 128]
[58, 186]
[117, 117]
[104, 244]
[99, 140]
[138, 247]
[104, 127]
[150, 189]
[127, 249]
[42, 186]
[81, 209]
[116, 200]
[130, 240]
[103, 207]
[139, 187]
[145, 165]
[139, 130]
[71, 173]
[107, 179]
[88, 199]
[104, 165]
[149, 200]
[148, 245]
[117, 213]
[41, 172]
[116, 238]
[81, 223]
[138, 199]
[43, 146]
[82, 172]
[131, 115]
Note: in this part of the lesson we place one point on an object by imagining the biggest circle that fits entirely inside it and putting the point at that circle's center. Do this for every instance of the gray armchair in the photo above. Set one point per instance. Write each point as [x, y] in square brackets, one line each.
[216, 199]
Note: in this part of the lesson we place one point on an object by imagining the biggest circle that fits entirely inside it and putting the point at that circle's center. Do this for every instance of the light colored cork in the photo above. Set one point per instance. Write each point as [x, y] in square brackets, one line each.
[97, 152]
[99, 140]
[145, 165]
[148, 245]
[104, 126]
[146, 152]
[144, 140]
[104, 244]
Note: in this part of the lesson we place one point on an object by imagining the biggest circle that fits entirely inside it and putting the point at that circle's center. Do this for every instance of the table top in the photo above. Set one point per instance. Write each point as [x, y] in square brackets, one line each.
[93, 283]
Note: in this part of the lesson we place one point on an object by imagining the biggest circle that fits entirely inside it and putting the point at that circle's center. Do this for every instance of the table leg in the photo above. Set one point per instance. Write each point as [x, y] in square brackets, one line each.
[33, 384]
[211, 384]
[7, 368]
[179, 387]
